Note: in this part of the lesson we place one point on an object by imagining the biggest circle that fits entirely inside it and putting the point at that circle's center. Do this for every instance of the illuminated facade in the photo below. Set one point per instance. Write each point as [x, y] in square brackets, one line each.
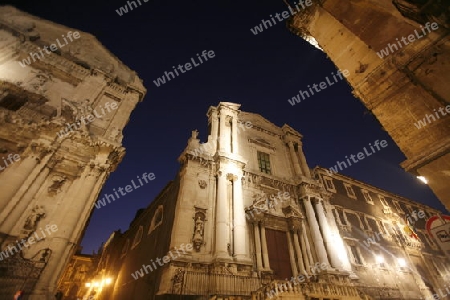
[247, 218]
[78, 272]
[397, 53]
[64, 100]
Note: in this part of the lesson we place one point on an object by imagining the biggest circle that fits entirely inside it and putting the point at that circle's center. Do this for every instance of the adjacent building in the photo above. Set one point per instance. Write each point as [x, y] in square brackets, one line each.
[79, 272]
[246, 217]
[64, 100]
[397, 55]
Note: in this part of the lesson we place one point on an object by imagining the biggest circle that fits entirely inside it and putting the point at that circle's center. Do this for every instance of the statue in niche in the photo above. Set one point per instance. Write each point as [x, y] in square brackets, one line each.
[198, 233]
[37, 213]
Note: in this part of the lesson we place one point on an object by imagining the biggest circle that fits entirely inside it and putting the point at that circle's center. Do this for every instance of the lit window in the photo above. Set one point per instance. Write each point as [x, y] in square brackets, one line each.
[349, 190]
[367, 196]
[401, 262]
[355, 254]
[264, 162]
[137, 237]
[383, 200]
[379, 260]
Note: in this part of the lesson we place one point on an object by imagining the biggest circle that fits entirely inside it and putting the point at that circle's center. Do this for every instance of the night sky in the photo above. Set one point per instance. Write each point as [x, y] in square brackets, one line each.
[259, 71]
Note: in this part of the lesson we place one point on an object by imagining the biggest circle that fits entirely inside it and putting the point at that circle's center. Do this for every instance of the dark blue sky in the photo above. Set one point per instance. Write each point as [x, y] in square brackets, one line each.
[261, 72]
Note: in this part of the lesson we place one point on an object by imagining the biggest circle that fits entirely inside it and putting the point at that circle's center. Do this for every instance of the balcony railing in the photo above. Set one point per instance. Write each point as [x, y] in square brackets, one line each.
[310, 289]
[196, 283]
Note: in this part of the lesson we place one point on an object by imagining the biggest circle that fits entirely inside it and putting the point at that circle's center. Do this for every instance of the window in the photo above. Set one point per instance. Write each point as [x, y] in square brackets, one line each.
[157, 219]
[383, 200]
[367, 196]
[349, 190]
[341, 215]
[329, 183]
[355, 254]
[397, 206]
[11, 102]
[137, 237]
[125, 248]
[264, 163]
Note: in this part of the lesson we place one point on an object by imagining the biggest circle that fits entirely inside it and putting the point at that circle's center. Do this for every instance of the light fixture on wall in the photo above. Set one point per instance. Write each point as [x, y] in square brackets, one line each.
[423, 179]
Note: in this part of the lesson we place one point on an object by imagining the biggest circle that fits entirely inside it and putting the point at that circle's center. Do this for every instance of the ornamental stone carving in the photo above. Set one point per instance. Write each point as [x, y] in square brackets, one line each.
[37, 213]
[58, 182]
[202, 184]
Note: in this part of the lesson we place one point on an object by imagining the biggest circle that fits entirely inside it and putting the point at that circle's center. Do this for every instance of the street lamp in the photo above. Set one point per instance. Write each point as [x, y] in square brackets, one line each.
[379, 259]
[423, 179]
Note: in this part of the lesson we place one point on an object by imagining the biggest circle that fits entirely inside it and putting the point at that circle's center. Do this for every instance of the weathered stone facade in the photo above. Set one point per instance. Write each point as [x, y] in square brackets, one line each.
[61, 115]
[246, 216]
[402, 86]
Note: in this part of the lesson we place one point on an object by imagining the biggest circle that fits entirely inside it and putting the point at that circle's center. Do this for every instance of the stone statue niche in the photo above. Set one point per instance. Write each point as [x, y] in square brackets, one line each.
[199, 229]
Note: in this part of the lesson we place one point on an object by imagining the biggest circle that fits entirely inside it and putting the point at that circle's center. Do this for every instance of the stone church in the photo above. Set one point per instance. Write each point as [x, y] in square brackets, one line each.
[64, 100]
[246, 218]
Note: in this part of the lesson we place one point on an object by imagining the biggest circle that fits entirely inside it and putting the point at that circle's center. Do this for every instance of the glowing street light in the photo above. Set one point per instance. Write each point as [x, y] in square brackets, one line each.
[379, 259]
[88, 284]
[108, 280]
[423, 179]
[401, 262]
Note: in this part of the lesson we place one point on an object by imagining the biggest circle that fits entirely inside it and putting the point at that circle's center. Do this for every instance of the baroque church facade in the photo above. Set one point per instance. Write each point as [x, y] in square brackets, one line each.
[64, 100]
[246, 217]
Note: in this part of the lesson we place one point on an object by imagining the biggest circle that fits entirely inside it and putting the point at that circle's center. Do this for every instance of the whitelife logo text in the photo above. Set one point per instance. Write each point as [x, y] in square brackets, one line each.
[27, 61]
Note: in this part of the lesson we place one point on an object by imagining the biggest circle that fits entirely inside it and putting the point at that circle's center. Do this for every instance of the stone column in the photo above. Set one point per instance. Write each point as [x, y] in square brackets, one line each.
[340, 248]
[240, 248]
[222, 131]
[227, 133]
[257, 246]
[294, 158]
[234, 139]
[299, 253]
[16, 207]
[214, 125]
[18, 177]
[90, 205]
[309, 245]
[60, 241]
[330, 246]
[303, 163]
[317, 236]
[291, 254]
[306, 251]
[221, 217]
[265, 253]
